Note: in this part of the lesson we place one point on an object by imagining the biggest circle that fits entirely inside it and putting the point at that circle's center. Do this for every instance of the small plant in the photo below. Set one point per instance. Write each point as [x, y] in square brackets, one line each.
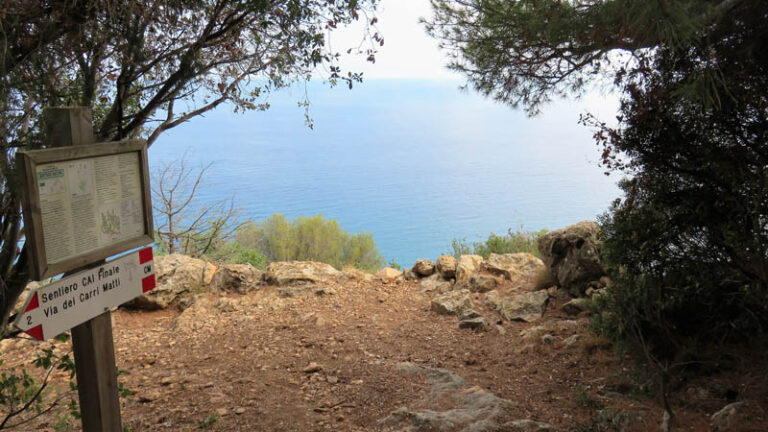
[23, 397]
[512, 242]
[393, 264]
[208, 423]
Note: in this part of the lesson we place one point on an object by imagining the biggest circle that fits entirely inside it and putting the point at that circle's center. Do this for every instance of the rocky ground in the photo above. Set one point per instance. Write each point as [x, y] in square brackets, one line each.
[473, 347]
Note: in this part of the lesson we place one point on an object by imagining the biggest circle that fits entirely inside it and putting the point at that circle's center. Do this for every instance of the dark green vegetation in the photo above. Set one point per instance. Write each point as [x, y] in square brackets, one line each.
[304, 239]
[687, 245]
[144, 68]
[512, 242]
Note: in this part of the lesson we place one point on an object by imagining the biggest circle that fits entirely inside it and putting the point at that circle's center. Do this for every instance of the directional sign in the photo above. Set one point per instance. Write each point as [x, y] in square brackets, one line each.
[59, 306]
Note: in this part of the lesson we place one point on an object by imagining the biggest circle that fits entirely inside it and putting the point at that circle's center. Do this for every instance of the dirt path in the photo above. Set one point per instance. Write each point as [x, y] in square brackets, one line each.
[339, 362]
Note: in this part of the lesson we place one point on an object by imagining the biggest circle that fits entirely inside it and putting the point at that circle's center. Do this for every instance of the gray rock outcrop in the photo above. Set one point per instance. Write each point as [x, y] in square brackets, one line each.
[178, 278]
[527, 307]
[299, 272]
[514, 265]
[573, 255]
[452, 303]
[236, 278]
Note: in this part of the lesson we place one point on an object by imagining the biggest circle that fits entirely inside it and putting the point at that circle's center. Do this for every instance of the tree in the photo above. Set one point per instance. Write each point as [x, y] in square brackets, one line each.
[524, 52]
[183, 225]
[687, 245]
[146, 67]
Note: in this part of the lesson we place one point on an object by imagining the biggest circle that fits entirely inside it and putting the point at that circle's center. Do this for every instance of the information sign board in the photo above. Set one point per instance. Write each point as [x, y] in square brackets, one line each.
[72, 300]
[84, 203]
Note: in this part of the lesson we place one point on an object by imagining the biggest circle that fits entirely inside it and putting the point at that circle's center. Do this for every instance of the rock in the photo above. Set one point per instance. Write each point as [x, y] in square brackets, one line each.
[493, 300]
[469, 314]
[351, 274]
[240, 411]
[178, 278]
[424, 267]
[452, 303]
[221, 412]
[312, 368]
[572, 340]
[472, 409]
[573, 255]
[446, 266]
[576, 306]
[467, 266]
[225, 304]
[527, 307]
[237, 278]
[434, 283]
[388, 274]
[482, 283]
[527, 426]
[477, 323]
[512, 266]
[298, 272]
[409, 275]
[728, 417]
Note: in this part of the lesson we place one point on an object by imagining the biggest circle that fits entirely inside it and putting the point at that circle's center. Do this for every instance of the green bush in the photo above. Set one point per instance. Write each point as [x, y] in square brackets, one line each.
[309, 239]
[512, 242]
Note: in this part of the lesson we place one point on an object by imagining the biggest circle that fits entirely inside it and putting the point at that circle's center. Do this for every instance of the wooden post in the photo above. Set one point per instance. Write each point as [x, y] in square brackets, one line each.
[92, 342]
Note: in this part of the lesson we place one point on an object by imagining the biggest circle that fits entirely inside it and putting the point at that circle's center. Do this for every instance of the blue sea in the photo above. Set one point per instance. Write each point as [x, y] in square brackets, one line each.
[416, 163]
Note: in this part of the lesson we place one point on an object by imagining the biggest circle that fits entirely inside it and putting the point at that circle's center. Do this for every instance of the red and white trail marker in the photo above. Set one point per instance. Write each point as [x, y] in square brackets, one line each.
[57, 307]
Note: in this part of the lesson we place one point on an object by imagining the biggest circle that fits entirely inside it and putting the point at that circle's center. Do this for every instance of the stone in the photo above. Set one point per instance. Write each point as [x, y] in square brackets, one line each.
[178, 278]
[409, 275]
[482, 283]
[446, 266]
[434, 283]
[493, 300]
[478, 324]
[576, 306]
[452, 303]
[351, 274]
[527, 425]
[470, 409]
[467, 266]
[424, 267]
[225, 304]
[728, 417]
[236, 278]
[469, 314]
[299, 272]
[514, 265]
[388, 274]
[312, 368]
[573, 255]
[528, 307]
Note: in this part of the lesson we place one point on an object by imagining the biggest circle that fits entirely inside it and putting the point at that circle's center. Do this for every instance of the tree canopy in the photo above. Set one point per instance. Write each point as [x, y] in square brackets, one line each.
[147, 66]
[525, 52]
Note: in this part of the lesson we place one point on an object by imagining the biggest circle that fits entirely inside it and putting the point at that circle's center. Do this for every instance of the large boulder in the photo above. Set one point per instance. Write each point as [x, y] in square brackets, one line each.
[467, 266]
[528, 307]
[452, 303]
[573, 256]
[446, 266]
[292, 272]
[178, 277]
[482, 283]
[514, 265]
[238, 278]
[424, 267]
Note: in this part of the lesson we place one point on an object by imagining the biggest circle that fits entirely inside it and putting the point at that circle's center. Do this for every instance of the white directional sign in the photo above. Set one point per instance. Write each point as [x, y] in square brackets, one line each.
[59, 306]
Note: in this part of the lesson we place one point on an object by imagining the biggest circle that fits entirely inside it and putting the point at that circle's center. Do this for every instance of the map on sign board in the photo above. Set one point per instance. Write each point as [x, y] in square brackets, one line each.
[89, 203]
[84, 203]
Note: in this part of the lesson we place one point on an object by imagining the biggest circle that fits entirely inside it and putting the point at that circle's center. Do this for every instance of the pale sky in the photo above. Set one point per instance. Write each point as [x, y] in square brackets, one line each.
[408, 52]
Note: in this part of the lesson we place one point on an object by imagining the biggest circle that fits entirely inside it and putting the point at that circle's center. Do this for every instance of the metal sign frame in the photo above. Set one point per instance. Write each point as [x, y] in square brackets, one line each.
[27, 162]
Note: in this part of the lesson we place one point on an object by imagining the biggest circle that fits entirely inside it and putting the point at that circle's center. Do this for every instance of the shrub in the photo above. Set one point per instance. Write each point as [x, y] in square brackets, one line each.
[310, 239]
[512, 242]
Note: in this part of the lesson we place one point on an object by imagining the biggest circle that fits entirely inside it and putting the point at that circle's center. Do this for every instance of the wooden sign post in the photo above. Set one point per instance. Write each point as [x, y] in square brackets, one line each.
[82, 204]
[92, 342]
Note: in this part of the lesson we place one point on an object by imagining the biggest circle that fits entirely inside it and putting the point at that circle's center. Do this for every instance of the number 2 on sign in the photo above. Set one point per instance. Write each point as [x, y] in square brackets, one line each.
[29, 319]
